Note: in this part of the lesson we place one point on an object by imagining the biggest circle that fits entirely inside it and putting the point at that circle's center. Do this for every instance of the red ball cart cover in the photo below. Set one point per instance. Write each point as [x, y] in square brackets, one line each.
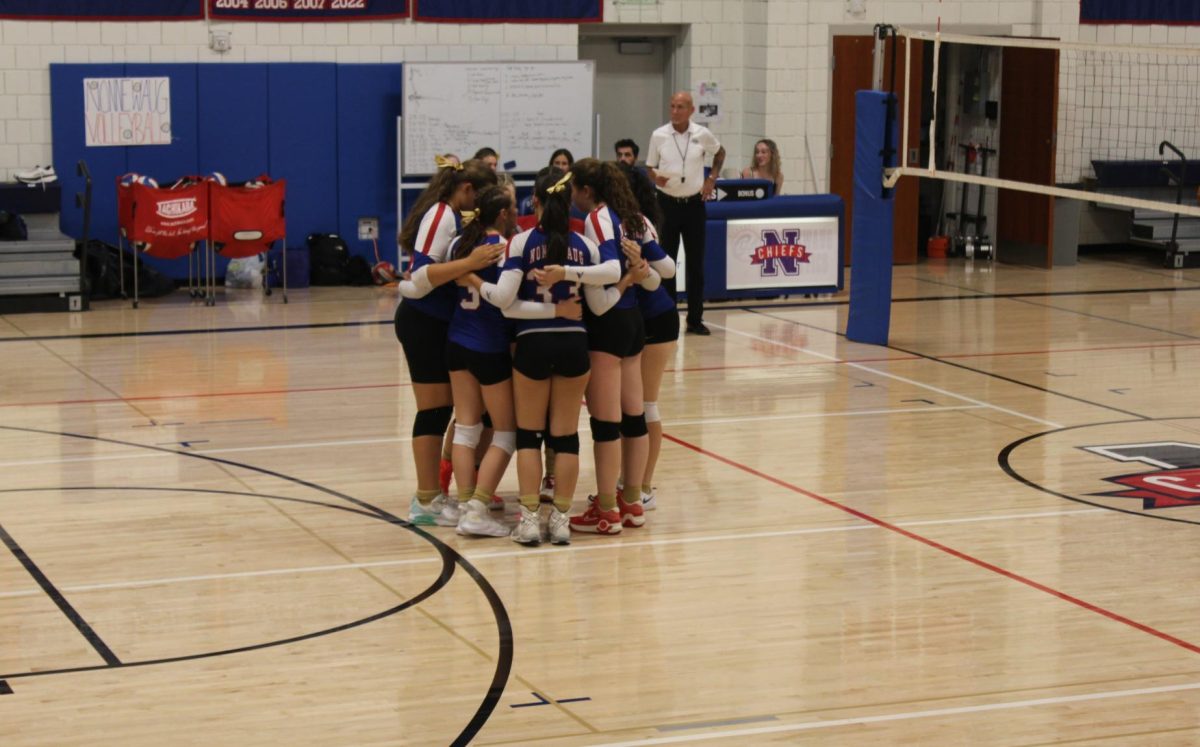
[168, 221]
[246, 220]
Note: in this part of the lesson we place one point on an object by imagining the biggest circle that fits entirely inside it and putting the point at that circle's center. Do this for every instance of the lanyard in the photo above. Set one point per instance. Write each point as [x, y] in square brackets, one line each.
[682, 152]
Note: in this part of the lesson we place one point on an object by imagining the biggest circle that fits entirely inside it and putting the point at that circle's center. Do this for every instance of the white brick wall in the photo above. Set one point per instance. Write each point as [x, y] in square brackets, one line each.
[771, 57]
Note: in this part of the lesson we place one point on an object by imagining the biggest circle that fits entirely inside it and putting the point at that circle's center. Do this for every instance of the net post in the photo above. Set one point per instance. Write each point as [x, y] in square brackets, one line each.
[907, 89]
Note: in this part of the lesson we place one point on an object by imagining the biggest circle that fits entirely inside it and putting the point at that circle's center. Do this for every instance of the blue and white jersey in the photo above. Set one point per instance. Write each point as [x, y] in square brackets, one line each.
[655, 302]
[478, 325]
[585, 269]
[603, 226]
[439, 226]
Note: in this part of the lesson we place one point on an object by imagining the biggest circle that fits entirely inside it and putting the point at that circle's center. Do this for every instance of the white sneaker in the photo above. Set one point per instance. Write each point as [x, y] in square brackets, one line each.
[451, 512]
[546, 494]
[559, 527]
[648, 501]
[37, 175]
[528, 530]
[437, 512]
[477, 520]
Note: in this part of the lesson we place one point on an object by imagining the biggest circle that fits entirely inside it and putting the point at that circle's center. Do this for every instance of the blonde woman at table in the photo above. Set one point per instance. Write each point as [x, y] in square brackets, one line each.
[765, 164]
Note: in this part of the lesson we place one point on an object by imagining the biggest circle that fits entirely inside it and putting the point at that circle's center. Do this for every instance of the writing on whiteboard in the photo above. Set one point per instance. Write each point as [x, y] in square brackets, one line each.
[127, 111]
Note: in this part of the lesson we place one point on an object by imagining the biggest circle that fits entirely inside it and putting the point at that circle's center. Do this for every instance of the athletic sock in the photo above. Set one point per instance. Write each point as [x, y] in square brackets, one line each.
[607, 501]
[481, 495]
[531, 502]
[426, 496]
[465, 494]
[562, 503]
[647, 488]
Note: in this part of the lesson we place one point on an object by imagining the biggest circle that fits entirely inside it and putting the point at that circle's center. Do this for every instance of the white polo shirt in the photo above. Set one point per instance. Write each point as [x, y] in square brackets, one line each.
[674, 153]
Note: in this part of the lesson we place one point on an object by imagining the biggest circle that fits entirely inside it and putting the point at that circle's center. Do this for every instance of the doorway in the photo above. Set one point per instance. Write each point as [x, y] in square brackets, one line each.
[633, 81]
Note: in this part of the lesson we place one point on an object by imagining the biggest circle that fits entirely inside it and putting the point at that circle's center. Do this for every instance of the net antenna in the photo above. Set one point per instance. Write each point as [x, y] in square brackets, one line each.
[1116, 105]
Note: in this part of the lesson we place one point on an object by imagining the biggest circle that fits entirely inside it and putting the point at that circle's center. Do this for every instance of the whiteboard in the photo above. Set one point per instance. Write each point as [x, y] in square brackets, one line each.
[525, 110]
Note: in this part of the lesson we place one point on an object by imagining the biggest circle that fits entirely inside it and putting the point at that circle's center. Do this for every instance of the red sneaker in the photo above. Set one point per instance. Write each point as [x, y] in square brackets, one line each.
[632, 514]
[595, 521]
[445, 472]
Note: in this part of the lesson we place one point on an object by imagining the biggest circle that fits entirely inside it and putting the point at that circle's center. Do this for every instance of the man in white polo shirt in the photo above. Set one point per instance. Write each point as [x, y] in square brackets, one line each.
[675, 161]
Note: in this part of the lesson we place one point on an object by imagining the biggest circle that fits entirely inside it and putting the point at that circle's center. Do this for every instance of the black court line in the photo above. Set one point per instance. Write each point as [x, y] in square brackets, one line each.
[1004, 459]
[450, 559]
[964, 367]
[721, 307]
[1105, 318]
[86, 630]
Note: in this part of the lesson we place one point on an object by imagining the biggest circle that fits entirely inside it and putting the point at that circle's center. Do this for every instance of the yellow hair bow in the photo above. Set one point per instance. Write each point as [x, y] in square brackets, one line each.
[561, 184]
[445, 163]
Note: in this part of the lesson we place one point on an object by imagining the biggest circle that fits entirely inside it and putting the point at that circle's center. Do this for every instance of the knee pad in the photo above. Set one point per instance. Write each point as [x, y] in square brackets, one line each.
[487, 421]
[529, 439]
[568, 444]
[468, 435]
[505, 441]
[633, 426]
[652, 415]
[432, 422]
[604, 430]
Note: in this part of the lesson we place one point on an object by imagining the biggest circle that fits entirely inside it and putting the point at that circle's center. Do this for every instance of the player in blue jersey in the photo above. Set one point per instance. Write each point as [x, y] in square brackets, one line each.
[615, 342]
[477, 354]
[423, 318]
[662, 331]
[550, 264]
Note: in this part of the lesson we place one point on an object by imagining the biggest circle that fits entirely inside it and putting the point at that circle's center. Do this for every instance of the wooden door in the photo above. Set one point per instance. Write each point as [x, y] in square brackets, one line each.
[852, 68]
[1028, 122]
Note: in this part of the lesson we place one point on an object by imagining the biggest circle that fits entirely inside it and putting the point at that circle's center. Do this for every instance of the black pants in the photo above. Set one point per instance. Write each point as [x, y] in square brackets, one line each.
[686, 218]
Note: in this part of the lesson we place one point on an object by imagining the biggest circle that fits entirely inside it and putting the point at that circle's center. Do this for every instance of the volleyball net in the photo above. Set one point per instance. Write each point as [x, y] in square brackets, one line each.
[1127, 118]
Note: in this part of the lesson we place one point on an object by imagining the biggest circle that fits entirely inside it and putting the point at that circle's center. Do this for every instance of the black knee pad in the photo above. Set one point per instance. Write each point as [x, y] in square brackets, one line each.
[604, 430]
[487, 421]
[432, 422]
[568, 444]
[528, 439]
[633, 426]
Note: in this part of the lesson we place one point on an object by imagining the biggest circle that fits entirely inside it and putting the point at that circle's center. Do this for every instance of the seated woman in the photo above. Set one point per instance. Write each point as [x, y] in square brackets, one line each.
[765, 164]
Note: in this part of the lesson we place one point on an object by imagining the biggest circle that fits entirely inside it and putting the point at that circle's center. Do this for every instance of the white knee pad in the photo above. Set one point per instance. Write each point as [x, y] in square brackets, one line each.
[652, 415]
[467, 435]
[506, 440]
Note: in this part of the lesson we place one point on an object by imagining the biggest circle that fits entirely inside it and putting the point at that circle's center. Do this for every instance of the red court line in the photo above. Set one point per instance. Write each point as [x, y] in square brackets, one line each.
[943, 548]
[1074, 350]
[251, 393]
[302, 390]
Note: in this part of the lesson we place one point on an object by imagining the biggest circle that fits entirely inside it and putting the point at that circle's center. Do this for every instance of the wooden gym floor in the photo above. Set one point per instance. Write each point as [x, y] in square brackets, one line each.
[854, 545]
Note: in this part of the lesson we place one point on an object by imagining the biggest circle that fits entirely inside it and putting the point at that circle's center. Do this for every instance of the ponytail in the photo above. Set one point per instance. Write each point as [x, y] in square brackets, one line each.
[554, 195]
[488, 205]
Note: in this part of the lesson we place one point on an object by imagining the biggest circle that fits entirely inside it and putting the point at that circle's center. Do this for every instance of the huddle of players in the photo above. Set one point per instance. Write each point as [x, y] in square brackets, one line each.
[493, 330]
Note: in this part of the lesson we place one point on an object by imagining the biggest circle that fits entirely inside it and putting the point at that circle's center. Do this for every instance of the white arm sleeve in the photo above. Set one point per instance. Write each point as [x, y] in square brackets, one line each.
[605, 273]
[652, 280]
[599, 299]
[419, 286]
[503, 292]
[530, 310]
[665, 268]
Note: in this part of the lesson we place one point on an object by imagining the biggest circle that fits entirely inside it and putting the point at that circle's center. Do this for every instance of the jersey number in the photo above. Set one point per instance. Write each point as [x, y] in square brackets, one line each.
[545, 292]
[471, 302]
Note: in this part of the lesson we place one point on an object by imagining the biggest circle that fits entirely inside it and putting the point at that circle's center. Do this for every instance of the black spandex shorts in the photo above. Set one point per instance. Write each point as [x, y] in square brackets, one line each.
[541, 355]
[619, 332]
[487, 368]
[663, 328]
[423, 338]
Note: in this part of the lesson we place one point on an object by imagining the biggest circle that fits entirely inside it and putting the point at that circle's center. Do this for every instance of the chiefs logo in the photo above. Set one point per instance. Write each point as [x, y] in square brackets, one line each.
[1175, 482]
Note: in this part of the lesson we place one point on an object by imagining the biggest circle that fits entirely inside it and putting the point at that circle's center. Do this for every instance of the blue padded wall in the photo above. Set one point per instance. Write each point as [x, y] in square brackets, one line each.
[329, 130]
[168, 162]
[302, 127]
[68, 133]
[368, 103]
[232, 117]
